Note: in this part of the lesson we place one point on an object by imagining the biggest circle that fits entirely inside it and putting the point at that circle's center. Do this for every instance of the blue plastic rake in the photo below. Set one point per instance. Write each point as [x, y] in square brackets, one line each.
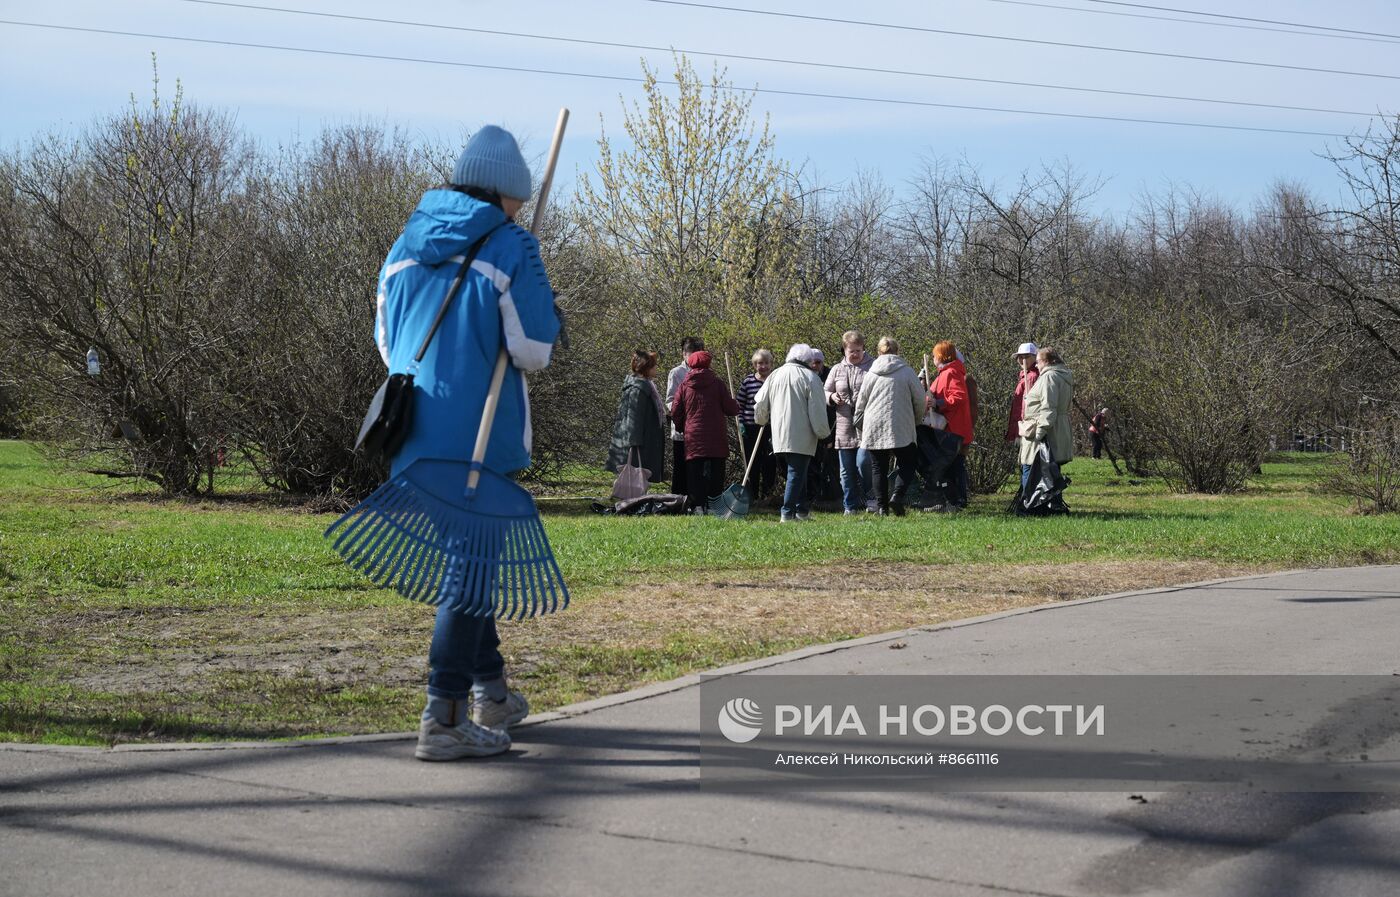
[482, 554]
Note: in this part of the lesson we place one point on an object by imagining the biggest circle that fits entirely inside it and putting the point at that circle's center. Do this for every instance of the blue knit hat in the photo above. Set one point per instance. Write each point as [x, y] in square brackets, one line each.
[492, 161]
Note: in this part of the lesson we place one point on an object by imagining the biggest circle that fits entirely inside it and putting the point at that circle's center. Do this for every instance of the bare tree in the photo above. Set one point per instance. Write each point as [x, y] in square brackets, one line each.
[125, 241]
[1340, 267]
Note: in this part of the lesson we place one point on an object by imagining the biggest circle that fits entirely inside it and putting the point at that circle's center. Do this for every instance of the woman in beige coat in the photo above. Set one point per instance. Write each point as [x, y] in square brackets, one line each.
[888, 409]
[1047, 413]
[793, 404]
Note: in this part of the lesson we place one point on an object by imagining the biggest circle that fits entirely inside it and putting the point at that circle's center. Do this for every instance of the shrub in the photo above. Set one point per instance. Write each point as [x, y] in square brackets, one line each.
[990, 462]
[328, 216]
[1371, 474]
[129, 240]
[1200, 393]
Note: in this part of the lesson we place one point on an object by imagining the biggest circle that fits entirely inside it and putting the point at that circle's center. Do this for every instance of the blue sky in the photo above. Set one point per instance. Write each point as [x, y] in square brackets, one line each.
[53, 79]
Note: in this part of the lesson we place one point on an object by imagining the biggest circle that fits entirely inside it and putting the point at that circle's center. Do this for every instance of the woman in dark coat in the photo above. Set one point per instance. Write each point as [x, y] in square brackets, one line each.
[639, 430]
[701, 405]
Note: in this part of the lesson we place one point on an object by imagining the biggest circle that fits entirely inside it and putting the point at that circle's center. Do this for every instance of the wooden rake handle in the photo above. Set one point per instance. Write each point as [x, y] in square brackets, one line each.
[498, 376]
[749, 467]
[738, 424]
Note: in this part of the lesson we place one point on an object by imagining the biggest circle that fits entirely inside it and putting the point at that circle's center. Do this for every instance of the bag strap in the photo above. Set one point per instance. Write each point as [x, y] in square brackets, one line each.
[452, 292]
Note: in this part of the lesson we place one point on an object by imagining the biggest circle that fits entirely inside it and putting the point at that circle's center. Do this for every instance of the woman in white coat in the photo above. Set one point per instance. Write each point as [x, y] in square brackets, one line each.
[793, 405]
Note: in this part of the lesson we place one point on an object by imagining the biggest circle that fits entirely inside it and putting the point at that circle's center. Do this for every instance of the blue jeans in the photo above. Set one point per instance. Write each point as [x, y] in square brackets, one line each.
[795, 495]
[1025, 476]
[465, 652]
[855, 477]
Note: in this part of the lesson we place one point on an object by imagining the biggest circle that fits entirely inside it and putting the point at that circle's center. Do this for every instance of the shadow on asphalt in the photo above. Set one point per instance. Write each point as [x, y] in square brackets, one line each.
[1341, 599]
[597, 780]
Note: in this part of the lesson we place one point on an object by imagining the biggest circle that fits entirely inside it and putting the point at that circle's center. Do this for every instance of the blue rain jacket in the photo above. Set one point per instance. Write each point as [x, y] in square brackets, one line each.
[505, 299]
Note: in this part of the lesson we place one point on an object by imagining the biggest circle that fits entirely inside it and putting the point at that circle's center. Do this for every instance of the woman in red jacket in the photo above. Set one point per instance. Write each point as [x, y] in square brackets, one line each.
[949, 397]
[701, 405]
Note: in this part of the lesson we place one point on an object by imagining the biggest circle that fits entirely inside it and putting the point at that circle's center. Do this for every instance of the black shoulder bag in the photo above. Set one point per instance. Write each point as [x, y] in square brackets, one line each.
[390, 414]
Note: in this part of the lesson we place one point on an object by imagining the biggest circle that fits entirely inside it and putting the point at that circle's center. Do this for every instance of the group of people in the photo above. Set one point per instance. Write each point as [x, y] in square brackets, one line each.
[885, 425]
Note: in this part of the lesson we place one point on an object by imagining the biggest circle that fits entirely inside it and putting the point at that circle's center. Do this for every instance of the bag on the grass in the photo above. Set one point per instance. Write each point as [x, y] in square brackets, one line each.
[646, 505]
[632, 481]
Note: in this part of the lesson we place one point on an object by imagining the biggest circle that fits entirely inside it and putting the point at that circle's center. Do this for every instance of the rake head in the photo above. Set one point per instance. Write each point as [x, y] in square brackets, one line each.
[732, 502]
[484, 555]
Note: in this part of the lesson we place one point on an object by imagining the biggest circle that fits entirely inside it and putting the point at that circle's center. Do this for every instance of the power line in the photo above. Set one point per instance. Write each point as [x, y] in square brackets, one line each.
[1026, 40]
[635, 80]
[772, 59]
[1236, 25]
[1219, 15]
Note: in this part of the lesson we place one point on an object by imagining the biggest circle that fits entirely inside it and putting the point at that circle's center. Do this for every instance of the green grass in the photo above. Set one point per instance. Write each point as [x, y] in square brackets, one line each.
[127, 616]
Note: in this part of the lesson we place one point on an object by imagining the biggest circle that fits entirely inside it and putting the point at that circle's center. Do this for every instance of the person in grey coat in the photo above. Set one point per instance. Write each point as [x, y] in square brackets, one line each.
[639, 429]
[888, 409]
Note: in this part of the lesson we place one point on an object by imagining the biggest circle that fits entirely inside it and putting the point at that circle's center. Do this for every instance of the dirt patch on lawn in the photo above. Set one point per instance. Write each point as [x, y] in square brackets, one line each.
[609, 639]
[850, 600]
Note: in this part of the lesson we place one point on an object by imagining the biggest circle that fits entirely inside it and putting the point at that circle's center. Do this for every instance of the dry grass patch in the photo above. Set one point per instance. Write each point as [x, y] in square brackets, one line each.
[847, 601]
[172, 673]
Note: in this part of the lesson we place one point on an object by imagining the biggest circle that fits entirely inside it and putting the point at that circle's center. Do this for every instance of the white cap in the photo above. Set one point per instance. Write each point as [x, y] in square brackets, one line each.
[1027, 349]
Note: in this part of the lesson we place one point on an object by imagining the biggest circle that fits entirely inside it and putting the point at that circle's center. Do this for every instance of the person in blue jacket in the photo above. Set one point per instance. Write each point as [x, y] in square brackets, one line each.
[505, 298]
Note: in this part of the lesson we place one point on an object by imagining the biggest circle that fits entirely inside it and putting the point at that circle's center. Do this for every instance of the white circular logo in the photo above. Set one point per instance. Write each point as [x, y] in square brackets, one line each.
[740, 720]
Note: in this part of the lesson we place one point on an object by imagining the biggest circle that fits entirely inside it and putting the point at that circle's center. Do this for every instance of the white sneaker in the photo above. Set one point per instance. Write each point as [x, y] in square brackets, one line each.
[804, 515]
[500, 714]
[439, 742]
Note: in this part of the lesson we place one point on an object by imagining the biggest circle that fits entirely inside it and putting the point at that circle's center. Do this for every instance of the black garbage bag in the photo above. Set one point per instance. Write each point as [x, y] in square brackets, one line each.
[937, 449]
[644, 505]
[1043, 493]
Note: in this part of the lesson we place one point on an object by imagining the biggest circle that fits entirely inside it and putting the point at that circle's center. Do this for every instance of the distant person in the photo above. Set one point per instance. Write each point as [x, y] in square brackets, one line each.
[949, 396]
[1025, 379]
[1047, 418]
[756, 446]
[639, 429]
[793, 403]
[1098, 428]
[673, 381]
[701, 405]
[842, 388]
[890, 405]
